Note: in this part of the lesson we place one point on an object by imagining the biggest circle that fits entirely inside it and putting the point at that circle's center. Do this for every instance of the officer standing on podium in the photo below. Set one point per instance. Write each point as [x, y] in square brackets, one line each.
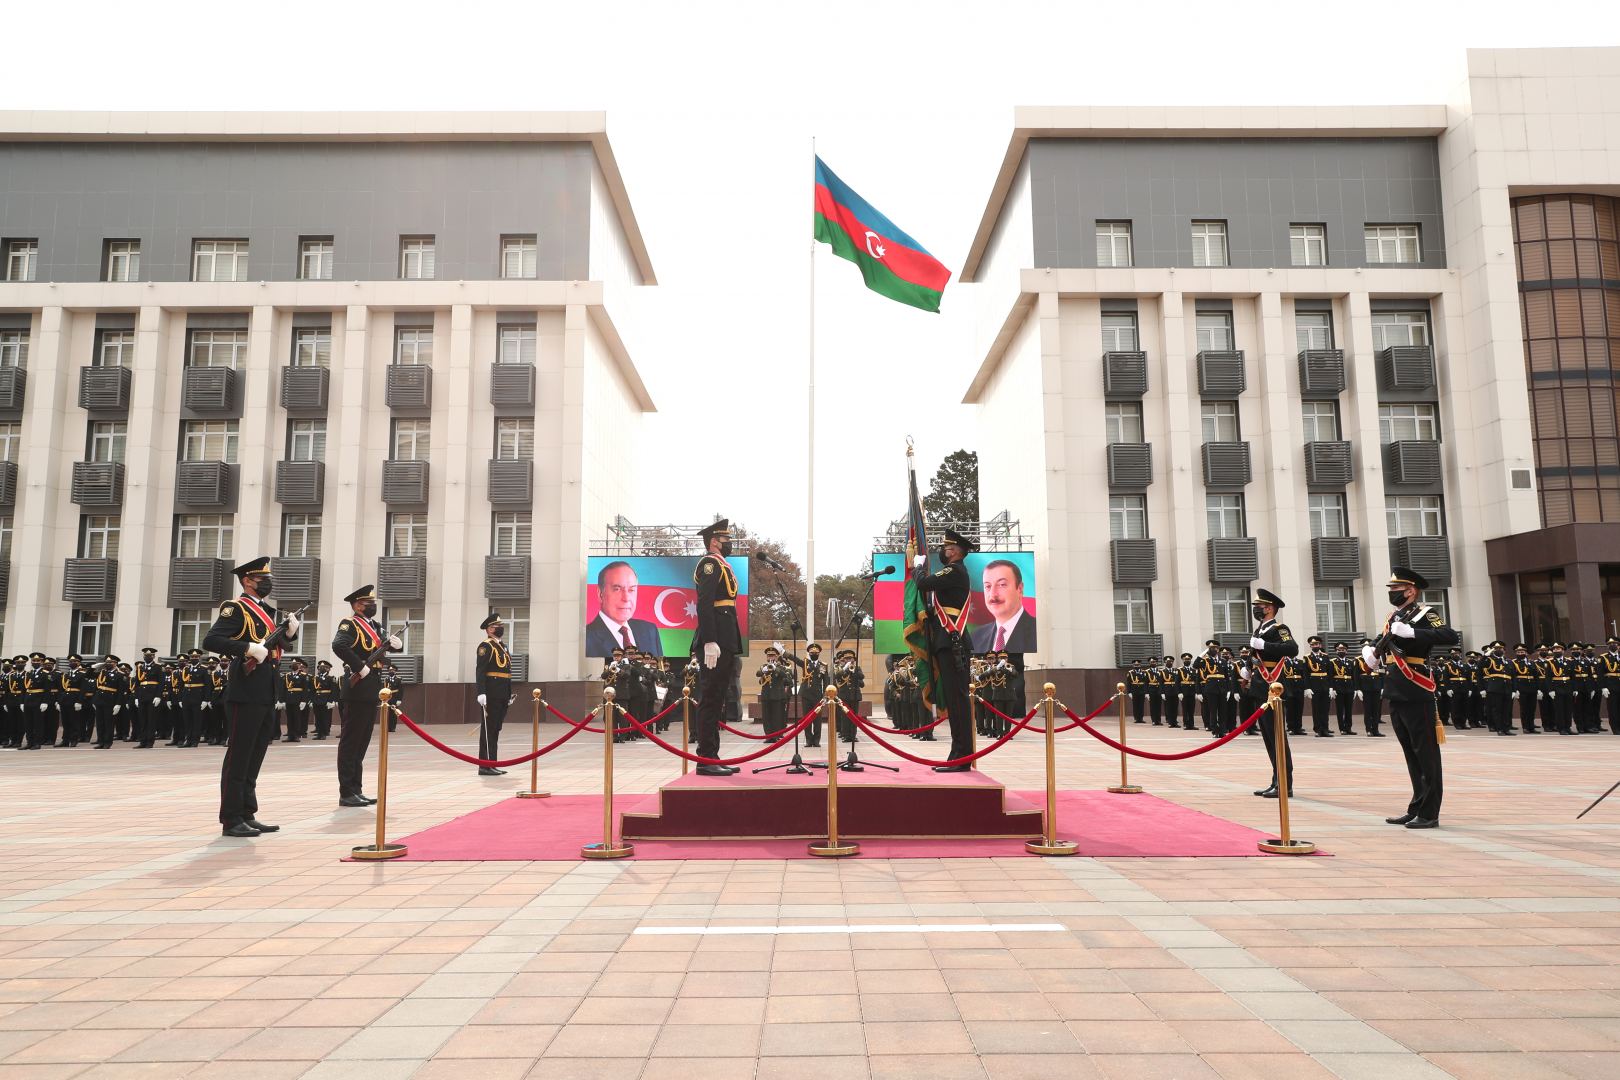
[717, 642]
[947, 592]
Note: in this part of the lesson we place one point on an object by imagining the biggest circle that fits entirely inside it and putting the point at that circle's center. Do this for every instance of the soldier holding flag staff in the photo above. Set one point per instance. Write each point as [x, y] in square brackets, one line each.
[947, 594]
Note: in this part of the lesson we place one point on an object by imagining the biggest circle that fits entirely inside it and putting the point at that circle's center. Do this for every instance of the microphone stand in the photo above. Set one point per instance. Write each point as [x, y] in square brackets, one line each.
[853, 762]
[795, 766]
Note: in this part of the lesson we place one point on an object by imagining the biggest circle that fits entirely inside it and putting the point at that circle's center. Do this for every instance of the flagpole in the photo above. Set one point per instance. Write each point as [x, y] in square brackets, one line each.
[810, 428]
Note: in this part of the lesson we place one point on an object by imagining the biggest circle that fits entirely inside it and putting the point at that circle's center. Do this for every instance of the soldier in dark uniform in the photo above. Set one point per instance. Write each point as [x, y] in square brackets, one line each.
[717, 641]
[1528, 674]
[1593, 717]
[39, 728]
[911, 701]
[213, 706]
[1189, 680]
[109, 695]
[1318, 687]
[1170, 680]
[326, 698]
[1211, 683]
[1609, 683]
[359, 643]
[1370, 692]
[774, 676]
[7, 722]
[78, 690]
[300, 696]
[851, 683]
[1497, 678]
[196, 692]
[1343, 692]
[1136, 685]
[947, 593]
[240, 632]
[1294, 686]
[689, 681]
[1273, 646]
[1411, 632]
[494, 682]
[812, 687]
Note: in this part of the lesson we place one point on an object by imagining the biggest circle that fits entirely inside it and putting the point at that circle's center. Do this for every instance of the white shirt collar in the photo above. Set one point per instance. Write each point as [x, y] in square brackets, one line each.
[614, 628]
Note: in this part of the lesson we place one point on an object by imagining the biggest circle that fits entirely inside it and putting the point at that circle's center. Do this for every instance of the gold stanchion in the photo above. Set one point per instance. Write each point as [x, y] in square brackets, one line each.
[1050, 844]
[534, 791]
[381, 849]
[1284, 844]
[686, 726]
[1124, 787]
[607, 849]
[832, 848]
[973, 719]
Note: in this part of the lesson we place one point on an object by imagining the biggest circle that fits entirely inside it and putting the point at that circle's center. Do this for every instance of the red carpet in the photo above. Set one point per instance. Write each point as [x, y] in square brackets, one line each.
[1103, 825]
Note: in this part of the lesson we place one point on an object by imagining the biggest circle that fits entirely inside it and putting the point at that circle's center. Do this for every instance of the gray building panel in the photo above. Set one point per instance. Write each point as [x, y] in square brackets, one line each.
[75, 196]
[1257, 186]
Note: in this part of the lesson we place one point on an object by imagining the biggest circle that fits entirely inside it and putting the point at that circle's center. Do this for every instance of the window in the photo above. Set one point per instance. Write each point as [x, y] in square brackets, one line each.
[411, 626]
[107, 439]
[123, 261]
[1397, 423]
[315, 258]
[516, 621]
[1320, 420]
[1127, 517]
[517, 344]
[98, 536]
[114, 348]
[306, 440]
[13, 348]
[1229, 608]
[407, 534]
[312, 346]
[301, 536]
[1133, 611]
[1335, 610]
[1328, 517]
[92, 633]
[10, 441]
[204, 536]
[22, 260]
[1399, 328]
[413, 345]
[411, 440]
[519, 257]
[219, 260]
[1214, 331]
[416, 257]
[208, 440]
[217, 348]
[1393, 244]
[1414, 515]
[514, 439]
[1119, 333]
[1436, 599]
[5, 539]
[1307, 245]
[191, 625]
[1220, 421]
[1113, 243]
[1225, 516]
[1313, 330]
[1209, 243]
[1122, 422]
[512, 534]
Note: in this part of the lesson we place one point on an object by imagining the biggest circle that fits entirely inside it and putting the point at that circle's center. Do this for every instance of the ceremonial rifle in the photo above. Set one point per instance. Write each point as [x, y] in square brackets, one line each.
[274, 641]
[376, 654]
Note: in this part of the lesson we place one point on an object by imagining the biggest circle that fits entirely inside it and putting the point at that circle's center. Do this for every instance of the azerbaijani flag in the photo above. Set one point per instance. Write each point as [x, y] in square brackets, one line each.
[891, 262]
[916, 620]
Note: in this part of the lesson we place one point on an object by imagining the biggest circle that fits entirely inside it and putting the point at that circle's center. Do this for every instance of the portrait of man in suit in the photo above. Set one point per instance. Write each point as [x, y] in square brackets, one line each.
[1014, 628]
[614, 627]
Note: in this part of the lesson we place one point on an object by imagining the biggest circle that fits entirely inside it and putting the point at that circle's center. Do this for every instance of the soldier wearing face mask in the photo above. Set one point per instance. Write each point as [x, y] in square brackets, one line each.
[1497, 677]
[494, 691]
[359, 638]
[1318, 687]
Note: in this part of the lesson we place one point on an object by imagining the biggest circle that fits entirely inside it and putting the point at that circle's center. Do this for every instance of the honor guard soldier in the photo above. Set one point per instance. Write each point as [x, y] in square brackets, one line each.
[1170, 688]
[851, 683]
[360, 644]
[1318, 687]
[812, 688]
[494, 675]
[1412, 631]
[38, 700]
[1528, 673]
[7, 714]
[1272, 646]
[110, 688]
[148, 698]
[1343, 692]
[299, 695]
[717, 641]
[196, 692]
[1497, 678]
[326, 697]
[1211, 674]
[1594, 691]
[1188, 679]
[1558, 691]
[21, 715]
[1609, 680]
[947, 594]
[78, 701]
[1293, 680]
[1370, 692]
[911, 701]
[248, 631]
[1136, 685]
[214, 707]
[774, 678]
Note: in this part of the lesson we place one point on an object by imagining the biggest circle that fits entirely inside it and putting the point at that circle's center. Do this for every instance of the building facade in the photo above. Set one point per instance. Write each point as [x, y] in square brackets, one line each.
[1290, 347]
[367, 346]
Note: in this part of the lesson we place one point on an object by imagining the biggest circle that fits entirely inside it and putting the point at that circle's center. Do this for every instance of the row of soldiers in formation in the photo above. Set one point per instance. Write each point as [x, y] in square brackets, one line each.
[178, 701]
[1569, 690]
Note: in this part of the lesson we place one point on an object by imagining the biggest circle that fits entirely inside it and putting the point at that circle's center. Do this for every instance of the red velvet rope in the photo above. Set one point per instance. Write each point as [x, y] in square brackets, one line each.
[1056, 731]
[786, 738]
[745, 734]
[480, 762]
[1206, 748]
[1018, 725]
[910, 731]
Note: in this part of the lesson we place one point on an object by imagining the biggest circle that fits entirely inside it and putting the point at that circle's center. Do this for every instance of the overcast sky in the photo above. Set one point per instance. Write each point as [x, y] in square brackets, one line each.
[711, 110]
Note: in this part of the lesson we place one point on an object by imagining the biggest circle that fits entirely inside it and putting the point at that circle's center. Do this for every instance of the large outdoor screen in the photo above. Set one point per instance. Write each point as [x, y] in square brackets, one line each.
[649, 600]
[1001, 608]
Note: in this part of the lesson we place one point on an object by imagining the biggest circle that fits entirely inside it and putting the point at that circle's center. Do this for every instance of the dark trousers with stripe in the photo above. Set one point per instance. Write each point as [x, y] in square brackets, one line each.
[1414, 725]
[252, 728]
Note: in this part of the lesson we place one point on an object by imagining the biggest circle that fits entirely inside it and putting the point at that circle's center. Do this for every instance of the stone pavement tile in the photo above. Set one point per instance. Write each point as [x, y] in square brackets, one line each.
[1166, 980]
[1497, 1067]
[588, 1068]
[1294, 1066]
[849, 1067]
[1339, 978]
[526, 1010]
[1380, 1066]
[441, 1011]
[621, 1010]
[363, 1070]
[1006, 1006]
[338, 1012]
[394, 1043]
[40, 1072]
[1336, 1037]
[1231, 1037]
[1153, 1067]
[54, 1015]
[708, 1040]
[561, 984]
[1022, 1037]
[901, 982]
[138, 1070]
[700, 1010]
[811, 1040]
[185, 1044]
[1392, 1005]
[722, 984]
[928, 1067]
[914, 1037]
[603, 1040]
[250, 1070]
[474, 985]
[1441, 1036]
[699, 1068]
[1068, 981]
[1555, 1035]
[875, 1008]
[474, 1069]
[526, 1041]
[835, 1008]
[909, 959]
[1562, 1002]
[87, 1047]
[290, 1044]
[1290, 1006]
[794, 983]
[1099, 1007]
[1128, 1037]
[167, 1014]
[1187, 1007]
[1073, 1066]
[1584, 1065]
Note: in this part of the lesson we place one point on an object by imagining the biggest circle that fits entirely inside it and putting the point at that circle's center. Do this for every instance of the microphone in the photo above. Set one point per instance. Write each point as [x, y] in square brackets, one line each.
[760, 556]
[874, 573]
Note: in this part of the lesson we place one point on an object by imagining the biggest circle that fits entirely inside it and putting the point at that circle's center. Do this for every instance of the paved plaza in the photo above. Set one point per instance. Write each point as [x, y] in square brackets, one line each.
[137, 942]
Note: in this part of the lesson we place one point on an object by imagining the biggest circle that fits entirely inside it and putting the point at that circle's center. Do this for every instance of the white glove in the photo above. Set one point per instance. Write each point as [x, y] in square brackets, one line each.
[117, 709]
[1540, 695]
[1358, 695]
[1243, 673]
[711, 654]
[1605, 692]
[292, 625]
[1231, 697]
[205, 704]
[1309, 694]
[78, 706]
[394, 642]
[1369, 657]
[1515, 695]
[1451, 693]
[920, 562]
[481, 701]
[1402, 630]
[44, 707]
[281, 706]
[777, 645]
[512, 700]
[259, 653]
[1333, 694]
[302, 705]
[365, 669]
[1257, 643]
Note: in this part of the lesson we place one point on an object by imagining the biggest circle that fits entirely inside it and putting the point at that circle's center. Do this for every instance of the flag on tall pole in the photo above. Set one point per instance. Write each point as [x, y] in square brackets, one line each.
[916, 624]
[892, 263]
